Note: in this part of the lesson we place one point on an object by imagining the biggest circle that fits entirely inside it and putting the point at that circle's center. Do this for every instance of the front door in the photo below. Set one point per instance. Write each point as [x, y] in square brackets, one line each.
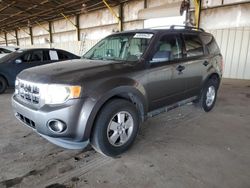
[27, 60]
[166, 74]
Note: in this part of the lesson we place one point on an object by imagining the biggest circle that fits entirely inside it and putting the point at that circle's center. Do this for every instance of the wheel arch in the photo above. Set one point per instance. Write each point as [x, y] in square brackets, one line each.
[213, 75]
[128, 93]
[4, 77]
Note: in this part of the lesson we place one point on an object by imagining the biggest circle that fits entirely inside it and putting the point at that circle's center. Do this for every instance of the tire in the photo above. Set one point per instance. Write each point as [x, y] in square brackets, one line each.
[116, 120]
[208, 95]
[3, 85]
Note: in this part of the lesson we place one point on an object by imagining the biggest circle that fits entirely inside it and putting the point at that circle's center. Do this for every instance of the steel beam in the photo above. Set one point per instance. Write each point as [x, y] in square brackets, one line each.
[17, 40]
[114, 14]
[78, 27]
[31, 36]
[197, 4]
[50, 33]
[6, 39]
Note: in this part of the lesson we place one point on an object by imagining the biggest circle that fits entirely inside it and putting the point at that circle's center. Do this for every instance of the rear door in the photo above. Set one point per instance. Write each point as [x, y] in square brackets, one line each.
[196, 63]
[166, 74]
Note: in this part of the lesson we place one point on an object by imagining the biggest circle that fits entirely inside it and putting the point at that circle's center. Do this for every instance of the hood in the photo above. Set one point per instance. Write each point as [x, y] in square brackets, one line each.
[72, 71]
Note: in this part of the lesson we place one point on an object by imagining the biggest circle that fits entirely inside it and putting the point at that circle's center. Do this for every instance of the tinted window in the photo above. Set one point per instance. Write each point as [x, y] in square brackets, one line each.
[211, 44]
[46, 56]
[25, 57]
[62, 55]
[34, 56]
[4, 51]
[168, 48]
[193, 45]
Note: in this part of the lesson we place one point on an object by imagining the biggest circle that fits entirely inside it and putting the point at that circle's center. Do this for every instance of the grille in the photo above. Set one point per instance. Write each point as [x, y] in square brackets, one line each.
[29, 92]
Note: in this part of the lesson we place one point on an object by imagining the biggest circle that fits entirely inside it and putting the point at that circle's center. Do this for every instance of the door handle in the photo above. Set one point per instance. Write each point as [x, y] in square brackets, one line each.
[205, 63]
[180, 68]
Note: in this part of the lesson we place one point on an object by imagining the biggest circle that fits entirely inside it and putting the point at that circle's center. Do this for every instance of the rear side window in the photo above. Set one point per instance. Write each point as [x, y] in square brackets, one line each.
[211, 44]
[62, 55]
[193, 45]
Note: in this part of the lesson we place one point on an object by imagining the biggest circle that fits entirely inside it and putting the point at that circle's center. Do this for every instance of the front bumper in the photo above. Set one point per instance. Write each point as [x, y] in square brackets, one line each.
[69, 113]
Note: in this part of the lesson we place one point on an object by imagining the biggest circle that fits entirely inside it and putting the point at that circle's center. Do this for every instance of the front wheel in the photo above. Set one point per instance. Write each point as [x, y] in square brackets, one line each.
[3, 85]
[115, 128]
[209, 94]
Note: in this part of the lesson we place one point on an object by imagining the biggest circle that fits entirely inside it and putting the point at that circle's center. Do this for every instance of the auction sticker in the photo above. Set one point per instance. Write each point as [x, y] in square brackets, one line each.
[143, 35]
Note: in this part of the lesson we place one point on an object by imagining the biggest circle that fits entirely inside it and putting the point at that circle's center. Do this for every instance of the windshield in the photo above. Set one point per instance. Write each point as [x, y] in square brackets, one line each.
[10, 56]
[128, 47]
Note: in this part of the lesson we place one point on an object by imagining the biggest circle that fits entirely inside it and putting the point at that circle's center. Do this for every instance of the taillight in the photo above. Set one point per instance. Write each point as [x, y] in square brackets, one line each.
[221, 62]
[222, 65]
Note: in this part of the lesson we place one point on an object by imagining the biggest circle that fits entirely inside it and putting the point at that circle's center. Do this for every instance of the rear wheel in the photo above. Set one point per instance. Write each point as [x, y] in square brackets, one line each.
[3, 85]
[115, 128]
[209, 94]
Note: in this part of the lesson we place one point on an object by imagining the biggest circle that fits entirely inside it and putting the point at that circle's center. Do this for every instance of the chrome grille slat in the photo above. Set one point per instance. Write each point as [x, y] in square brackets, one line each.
[29, 92]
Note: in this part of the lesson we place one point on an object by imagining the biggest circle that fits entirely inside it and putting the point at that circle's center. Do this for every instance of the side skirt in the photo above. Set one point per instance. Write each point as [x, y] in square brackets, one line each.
[170, 107]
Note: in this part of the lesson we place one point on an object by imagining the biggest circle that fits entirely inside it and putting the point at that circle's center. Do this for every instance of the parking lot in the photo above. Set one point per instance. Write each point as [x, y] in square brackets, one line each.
[182, 148]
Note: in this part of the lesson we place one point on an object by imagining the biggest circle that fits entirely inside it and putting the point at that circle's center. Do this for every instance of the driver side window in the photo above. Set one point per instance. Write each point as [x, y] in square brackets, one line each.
[168, 48]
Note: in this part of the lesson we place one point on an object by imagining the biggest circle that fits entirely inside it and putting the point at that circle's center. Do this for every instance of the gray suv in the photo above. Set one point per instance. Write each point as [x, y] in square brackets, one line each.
[127, 77]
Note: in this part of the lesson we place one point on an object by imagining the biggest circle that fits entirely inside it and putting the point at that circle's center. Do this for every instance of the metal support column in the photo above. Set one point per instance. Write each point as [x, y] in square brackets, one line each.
[78, 27]
[121, 17]
[197, 4]
[31, 36]
[6, 39]
[145, 3]
[50, 33]
[17, 40]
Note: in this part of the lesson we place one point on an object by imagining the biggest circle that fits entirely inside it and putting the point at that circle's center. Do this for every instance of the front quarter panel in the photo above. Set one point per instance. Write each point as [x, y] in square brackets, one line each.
[105, 91]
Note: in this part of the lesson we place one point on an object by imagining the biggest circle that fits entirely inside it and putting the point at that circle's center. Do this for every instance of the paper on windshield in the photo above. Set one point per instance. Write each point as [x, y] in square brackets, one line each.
[53, 55]
[143, 35]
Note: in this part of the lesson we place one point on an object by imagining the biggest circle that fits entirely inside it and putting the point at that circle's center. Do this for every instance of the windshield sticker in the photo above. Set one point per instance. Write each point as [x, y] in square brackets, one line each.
[143, 35]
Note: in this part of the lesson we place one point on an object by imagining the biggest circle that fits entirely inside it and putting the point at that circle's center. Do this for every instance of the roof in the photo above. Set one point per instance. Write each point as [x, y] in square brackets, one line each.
[24, 13]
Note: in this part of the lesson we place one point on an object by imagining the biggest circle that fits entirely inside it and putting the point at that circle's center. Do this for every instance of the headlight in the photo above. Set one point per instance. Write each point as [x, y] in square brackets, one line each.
[16, 86]
[58, 94]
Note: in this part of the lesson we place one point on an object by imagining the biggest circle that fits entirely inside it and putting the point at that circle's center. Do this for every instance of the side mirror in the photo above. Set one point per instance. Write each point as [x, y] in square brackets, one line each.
[18, 61]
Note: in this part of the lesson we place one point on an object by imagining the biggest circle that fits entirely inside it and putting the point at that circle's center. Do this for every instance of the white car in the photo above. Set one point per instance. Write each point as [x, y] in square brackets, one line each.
[5, 50]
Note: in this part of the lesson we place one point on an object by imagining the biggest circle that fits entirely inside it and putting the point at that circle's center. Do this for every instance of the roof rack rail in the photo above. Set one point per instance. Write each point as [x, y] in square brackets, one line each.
[187, 27]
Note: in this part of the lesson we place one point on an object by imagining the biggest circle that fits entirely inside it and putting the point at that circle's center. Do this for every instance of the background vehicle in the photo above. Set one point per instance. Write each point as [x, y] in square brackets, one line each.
[14, 63]
[125, 78]
[5, 50]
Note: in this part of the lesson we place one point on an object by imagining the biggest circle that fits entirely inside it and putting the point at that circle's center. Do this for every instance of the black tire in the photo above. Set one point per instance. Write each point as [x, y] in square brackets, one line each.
[3, 85]
[202, 102]
[99, 137]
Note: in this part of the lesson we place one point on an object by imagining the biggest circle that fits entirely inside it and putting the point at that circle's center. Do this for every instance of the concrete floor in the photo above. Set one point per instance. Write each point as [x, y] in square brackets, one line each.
[182, 148]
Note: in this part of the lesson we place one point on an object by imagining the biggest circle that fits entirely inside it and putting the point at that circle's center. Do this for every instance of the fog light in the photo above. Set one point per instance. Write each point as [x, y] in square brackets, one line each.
[56, 126]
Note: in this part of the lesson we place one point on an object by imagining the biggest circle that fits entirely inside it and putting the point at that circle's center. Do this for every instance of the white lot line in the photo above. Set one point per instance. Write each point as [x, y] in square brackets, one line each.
[84, 168]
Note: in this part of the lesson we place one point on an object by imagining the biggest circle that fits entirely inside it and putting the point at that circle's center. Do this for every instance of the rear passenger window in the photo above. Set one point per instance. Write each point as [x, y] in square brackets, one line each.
[211, 44]
[193, 45]
[62, 56]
